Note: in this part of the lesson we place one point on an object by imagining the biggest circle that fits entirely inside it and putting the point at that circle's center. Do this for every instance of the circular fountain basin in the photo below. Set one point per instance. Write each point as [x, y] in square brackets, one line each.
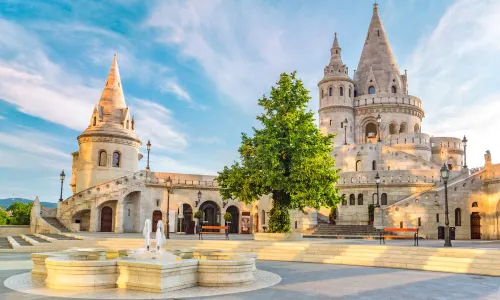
[68, 273]
[39, 271]
[217, 268]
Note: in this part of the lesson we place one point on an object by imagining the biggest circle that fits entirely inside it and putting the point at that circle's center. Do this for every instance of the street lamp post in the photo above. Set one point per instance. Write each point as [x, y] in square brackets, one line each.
[345, 131]
[464, 141]
[148, 147]
[169, 189]
[61, 176]
[445, 174]
[377, 181]
[379, 120]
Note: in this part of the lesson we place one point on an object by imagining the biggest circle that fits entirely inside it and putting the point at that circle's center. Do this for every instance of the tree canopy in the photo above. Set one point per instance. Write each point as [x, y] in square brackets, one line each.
[20, 213]
[288, 158]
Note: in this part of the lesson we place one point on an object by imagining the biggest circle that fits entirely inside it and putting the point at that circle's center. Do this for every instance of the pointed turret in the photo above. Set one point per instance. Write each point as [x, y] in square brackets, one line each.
[112, 95]
[377, 59]
[336, 67]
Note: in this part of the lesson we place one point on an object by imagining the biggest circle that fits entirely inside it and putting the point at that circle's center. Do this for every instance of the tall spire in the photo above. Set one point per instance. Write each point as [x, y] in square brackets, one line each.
[335, 67]
[377, 62]
[112, 97]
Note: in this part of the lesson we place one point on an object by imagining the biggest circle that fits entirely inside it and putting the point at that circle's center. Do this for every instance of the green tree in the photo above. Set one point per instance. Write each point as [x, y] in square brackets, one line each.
[3, 217]
[288, 158]
[20, 213]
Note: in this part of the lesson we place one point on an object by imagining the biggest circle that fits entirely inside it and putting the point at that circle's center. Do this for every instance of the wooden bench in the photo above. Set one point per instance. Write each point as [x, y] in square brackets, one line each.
[414, 236]
[202, 232]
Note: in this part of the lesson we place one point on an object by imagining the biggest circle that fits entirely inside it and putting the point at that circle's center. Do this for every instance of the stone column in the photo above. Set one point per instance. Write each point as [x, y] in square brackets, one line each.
[378, 218]
[120, 208]
[94, 218]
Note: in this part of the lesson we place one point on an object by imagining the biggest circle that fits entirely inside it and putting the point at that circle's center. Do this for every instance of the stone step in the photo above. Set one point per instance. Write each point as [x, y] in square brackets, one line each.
[56, 223]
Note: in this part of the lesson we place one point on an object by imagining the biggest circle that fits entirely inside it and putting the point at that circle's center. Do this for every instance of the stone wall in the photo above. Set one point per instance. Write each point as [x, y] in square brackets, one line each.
[7, 230]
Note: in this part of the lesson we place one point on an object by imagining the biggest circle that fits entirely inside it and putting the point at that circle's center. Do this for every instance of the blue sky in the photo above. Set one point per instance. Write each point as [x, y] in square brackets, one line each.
[192, 72]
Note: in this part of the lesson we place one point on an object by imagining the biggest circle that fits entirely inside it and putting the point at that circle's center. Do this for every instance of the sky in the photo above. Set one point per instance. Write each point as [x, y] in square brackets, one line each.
[192, 71]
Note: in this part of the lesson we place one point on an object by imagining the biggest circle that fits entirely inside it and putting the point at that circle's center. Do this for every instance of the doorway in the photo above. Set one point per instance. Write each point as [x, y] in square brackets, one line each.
[235, 218]
[475, 226]
[157, 216]
[106, 219]
[211, 216]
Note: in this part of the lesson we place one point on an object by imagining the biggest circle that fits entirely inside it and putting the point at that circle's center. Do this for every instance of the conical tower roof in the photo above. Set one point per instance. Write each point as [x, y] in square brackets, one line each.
[336, 66]
[112, 97]
[377, 64]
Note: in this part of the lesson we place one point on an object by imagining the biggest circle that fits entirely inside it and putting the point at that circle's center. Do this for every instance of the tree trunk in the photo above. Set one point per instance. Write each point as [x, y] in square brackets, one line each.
[279, 221]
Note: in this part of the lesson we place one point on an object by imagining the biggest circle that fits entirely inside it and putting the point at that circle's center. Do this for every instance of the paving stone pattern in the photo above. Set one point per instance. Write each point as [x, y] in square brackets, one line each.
[4, 243]
[34, 237]
[20, 241]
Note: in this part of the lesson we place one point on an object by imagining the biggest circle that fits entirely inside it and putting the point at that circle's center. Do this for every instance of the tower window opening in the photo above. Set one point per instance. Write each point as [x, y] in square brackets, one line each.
[341, 91]
[383, 199]
[95, 121]
[330, 122]
[330, 92]
[393, 89]
[103, 157]
[378, 32]
[371, 90]
[349, 92]
[341, 124]
[336, 51]
[116, 159]
[322, 93]
[356, 94]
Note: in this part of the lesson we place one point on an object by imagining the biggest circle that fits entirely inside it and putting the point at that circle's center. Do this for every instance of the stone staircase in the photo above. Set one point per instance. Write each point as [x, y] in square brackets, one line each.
[343, 231]
[54, 222]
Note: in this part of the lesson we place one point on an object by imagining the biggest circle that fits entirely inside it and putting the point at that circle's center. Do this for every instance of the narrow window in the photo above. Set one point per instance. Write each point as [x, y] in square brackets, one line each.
[371, 90]
[378, 32]
[322, 94]
[127, 124]
[263, 217]
[341, 124]
[352, 199]
[128, 212]
[330, 122]
[419, 221]
[474, 204]
[116, 159]
[374, 165]
[350, 92]
[330, 92]
[401, 224]
[336, 51]
[295, 224]
[103, 157]
[341, 91]
[358, 165]
[437, 218]
[95, 121]
[458, 217]
[356, 94]
[393, 88]
[360, 199]
[383, 198]
[157, 202]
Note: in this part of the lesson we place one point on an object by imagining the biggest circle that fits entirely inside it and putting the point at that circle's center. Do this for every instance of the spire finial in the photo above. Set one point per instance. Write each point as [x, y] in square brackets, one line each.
[375, 7]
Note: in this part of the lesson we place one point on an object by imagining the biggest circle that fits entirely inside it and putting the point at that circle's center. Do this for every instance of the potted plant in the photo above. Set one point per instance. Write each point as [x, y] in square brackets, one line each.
[199, 215]
[228, 217]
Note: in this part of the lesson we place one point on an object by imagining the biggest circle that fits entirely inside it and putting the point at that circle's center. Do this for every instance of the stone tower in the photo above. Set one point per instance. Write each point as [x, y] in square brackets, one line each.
[336, 95]
[109, 147]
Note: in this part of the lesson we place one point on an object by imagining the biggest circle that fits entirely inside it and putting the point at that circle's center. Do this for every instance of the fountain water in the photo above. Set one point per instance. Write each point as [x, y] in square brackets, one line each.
[146, 232]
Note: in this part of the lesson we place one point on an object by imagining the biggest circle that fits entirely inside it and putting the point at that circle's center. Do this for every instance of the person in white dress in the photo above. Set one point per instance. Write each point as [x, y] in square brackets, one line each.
[146, 232]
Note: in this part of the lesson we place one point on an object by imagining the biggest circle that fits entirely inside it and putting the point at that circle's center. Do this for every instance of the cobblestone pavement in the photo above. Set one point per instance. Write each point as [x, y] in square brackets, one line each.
[324, 281]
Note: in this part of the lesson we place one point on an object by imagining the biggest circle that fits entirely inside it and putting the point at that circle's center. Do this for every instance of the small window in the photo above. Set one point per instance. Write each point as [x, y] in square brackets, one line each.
[393, 89]
[358, 165]
[402, 128]
[416, 128]
[401, 224]
[458, 217]
[360, 199]
[157, 202]
[116, 159]
[322, 93]
[378, 32]
[437, 218]
[341, 91]
[474, 204]
[336, 51]
[350, 92]
[128, 212]
[419, 221]
[295, 224]
[392, 128]
[94, 123]
[103, 157]
[374, 165]
[330, 122]
[383, 199]
[356, 94]
[341, 124]
[352, 199]
[330, 92]
[371, 90]
[128, 124]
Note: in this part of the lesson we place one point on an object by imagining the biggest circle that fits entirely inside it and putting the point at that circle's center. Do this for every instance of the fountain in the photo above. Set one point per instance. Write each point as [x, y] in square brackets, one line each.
[149, 269]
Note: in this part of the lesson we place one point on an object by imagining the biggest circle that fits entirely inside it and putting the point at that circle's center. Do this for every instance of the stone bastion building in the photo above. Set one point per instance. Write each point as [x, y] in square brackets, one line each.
[378, 127]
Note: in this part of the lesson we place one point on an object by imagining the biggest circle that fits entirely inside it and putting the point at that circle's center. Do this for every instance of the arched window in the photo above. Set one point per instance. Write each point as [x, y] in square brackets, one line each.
[330, 91]
[416, 128]
[458, 217]
[341, 91]
[371, 90]
[393, 89]
[383, 199]
[356, 94]
[358, 165]
[352, 199]
[350, 92]
[263, 217]
[402, 128]
[360, 199]
[127, 124]
[392, 128]
[103, 158]
[95, 121]
[116, 159]
[474, 204]
[374, 165]
[322, 93]
[344, 200]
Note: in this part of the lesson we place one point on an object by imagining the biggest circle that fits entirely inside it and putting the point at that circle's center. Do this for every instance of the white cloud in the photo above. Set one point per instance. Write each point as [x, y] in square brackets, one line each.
[454, 71]
[243, 47]
[2, 117]
[171, 86]
[156, 123]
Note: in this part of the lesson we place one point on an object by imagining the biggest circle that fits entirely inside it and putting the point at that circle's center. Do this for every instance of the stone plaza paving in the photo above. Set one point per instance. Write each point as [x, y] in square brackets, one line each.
[323, 281]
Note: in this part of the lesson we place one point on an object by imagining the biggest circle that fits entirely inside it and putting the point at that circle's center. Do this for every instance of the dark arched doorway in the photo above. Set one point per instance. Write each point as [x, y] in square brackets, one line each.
[211, 213]
[370, 130]
[187, 221]
[157, 216]
[235, 218]
[106, 219]
[256, 221]
[475, 226]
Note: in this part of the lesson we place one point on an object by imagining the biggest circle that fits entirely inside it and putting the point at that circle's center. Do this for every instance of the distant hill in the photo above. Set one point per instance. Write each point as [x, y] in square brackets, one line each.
[4, 203]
